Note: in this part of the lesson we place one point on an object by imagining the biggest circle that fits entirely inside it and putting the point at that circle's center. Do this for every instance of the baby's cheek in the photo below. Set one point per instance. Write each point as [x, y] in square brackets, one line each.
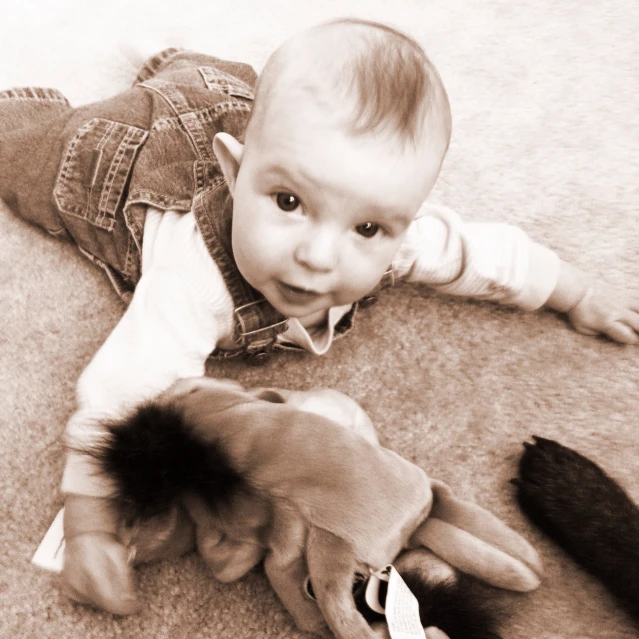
[364, 272]
[254, 244]
[358, 285]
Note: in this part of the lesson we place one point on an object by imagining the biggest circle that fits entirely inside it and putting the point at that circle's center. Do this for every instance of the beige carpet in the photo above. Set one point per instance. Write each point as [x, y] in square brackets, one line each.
[545, 97]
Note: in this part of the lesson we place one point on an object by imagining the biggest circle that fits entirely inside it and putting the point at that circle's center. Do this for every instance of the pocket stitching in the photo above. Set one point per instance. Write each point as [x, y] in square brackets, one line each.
[127, 142]
[104, 216]
[226, 83]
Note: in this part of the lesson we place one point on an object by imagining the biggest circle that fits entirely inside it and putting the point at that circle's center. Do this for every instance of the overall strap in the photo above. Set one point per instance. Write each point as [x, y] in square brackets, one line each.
[256, 323]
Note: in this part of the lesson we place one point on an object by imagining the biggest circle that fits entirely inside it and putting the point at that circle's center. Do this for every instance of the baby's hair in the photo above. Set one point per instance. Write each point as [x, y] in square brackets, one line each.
[379, 76]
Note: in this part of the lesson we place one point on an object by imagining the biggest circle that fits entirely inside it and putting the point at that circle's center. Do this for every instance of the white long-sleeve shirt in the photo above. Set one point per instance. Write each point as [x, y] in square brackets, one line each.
[181, 311]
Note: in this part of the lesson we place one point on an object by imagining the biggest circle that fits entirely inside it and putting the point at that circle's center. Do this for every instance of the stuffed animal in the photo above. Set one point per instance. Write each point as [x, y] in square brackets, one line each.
[259, 475]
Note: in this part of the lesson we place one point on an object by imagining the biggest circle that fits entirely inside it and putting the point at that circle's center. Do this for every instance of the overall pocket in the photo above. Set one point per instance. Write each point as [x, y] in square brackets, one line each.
[217, 80]
[95, 170]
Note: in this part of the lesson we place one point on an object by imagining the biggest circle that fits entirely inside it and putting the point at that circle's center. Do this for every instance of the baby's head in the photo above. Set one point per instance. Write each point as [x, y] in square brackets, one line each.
[349, 129]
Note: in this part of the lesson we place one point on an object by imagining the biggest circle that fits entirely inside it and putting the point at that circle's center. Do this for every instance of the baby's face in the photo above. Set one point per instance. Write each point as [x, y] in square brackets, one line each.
[319, 215]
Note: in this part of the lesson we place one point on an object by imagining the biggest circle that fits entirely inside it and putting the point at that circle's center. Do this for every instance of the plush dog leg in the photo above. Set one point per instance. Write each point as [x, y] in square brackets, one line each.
[159, 537]
[477, 543]
[287, 580]
[483, 525]
[475, 557]
[332, 567]
[286, 570]
[586, 512]
[227, 559]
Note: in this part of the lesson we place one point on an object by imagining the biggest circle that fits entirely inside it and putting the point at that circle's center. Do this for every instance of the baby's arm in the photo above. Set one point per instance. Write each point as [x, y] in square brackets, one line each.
[496, 262]
[595, 307]
[167, 332]
[499, 262]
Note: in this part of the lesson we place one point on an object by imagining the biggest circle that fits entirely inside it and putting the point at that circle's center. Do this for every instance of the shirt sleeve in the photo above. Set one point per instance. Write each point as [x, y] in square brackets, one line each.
[168, 331]
[487, 261]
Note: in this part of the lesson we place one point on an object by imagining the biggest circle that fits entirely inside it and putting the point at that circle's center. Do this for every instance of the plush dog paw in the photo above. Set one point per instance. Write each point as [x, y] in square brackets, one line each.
[586, 512]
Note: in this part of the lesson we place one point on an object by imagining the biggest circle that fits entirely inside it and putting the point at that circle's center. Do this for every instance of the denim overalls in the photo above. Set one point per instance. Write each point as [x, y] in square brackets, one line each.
[88, 174]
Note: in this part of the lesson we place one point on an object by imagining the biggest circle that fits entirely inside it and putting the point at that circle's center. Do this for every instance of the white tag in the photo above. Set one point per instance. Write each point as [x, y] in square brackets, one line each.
[371, 594]
[50, 552]
[402, 610]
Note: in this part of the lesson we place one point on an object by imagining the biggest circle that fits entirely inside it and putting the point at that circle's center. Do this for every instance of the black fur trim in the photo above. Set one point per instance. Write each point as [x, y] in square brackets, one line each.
[586, 512]
[463, 608]
[154, 458]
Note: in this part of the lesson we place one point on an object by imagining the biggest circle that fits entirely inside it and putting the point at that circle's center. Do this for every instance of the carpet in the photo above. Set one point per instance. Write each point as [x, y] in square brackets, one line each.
[545, 97]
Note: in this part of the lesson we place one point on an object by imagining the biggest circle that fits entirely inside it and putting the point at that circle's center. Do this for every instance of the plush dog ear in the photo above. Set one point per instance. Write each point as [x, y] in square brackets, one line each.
[476, 542]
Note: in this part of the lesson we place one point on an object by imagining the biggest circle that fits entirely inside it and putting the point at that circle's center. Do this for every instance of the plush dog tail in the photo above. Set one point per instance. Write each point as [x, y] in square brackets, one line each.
[153, 458]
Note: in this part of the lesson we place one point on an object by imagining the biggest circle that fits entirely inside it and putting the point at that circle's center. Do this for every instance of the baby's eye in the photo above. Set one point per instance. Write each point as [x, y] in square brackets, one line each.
[368, 229]
[287, 202]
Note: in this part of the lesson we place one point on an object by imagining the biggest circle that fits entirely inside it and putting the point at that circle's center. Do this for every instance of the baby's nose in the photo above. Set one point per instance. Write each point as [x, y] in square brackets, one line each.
[319, 251]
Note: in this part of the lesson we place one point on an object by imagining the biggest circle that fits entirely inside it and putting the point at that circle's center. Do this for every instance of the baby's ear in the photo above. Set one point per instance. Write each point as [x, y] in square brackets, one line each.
[229, 153]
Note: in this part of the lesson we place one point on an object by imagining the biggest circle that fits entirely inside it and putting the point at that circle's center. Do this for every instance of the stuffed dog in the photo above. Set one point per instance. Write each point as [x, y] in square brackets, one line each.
[264, 477]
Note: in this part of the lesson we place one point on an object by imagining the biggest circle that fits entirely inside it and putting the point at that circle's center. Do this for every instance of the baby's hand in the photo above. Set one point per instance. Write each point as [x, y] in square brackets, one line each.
[96, 572]
[607, 310]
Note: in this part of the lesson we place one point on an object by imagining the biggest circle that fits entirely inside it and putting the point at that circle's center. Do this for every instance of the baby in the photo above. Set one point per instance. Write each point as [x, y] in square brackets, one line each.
[241, 222]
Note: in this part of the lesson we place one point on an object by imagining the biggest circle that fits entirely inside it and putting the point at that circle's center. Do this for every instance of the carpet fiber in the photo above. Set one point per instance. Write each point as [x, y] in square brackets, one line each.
[545, 97]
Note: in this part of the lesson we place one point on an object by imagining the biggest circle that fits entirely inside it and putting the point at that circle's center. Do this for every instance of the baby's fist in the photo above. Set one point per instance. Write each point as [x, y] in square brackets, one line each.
[96, 572]
[607, 310]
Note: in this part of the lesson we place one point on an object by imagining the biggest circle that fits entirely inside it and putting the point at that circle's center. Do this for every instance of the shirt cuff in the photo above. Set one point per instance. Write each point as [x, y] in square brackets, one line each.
[543, 274]
[83, 476]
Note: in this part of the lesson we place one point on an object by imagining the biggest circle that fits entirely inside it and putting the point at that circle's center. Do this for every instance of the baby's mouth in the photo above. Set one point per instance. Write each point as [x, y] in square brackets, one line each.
[296, 294]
